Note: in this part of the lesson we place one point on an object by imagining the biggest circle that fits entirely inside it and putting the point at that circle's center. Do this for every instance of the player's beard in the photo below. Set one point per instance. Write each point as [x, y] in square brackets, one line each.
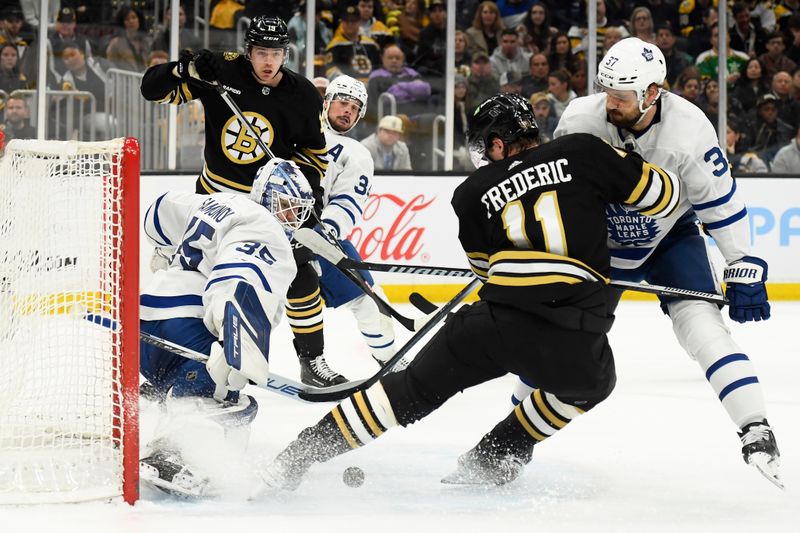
[622, 121]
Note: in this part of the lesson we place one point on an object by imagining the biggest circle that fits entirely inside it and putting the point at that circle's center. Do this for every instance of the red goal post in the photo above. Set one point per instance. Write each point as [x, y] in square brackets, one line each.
[69, 321]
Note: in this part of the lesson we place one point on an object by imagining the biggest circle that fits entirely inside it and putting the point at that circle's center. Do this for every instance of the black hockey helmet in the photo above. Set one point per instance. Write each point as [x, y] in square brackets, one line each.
[506, 116]
[266, 31]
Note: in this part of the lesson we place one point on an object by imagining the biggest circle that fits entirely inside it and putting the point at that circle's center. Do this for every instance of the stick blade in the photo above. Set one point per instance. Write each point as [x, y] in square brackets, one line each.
[421, 303]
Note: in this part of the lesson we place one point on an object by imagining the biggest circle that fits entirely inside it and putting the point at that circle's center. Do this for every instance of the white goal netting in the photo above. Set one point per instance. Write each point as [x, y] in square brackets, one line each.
[63, 405]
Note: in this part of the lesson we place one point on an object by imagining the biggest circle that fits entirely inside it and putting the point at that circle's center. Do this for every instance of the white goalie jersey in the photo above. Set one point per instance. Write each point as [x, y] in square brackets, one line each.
[347, 182]
[681, 140]
[213, 243]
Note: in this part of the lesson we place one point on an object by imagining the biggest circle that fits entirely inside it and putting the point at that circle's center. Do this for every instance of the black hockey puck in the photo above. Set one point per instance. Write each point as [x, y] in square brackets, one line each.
[353, 477]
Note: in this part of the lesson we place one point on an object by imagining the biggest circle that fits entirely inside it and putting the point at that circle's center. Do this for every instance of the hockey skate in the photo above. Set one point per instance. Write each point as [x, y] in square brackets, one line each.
[165, 470]
[760, 450]
[482, 467]
[315, 371]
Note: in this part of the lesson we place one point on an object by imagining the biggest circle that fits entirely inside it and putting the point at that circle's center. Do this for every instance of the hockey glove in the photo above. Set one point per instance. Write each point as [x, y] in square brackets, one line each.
[181, 68]
[747, 294]
[207, 66]
[226, 378]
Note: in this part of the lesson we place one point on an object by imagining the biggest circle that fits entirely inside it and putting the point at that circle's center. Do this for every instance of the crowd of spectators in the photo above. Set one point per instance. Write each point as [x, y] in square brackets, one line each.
[536, 48]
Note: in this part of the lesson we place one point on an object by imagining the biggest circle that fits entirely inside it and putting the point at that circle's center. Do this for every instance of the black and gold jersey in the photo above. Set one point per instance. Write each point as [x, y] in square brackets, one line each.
[534, 225]
[288, 119]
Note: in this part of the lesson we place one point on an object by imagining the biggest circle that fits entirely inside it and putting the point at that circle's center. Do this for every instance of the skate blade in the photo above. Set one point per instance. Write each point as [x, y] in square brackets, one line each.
[196, 489]
[768, 467]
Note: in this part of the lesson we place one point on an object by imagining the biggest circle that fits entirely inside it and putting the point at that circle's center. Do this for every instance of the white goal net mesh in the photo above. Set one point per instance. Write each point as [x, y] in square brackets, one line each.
[61, 401]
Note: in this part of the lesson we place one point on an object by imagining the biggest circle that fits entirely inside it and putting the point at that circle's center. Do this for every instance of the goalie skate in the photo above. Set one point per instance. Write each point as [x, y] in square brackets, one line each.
[476, 468]
[760, 450]
[166, 472]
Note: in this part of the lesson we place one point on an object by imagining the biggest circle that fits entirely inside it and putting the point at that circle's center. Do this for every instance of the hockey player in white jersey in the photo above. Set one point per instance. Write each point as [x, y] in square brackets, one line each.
[222, 268]
[632, 111]
[347, 186]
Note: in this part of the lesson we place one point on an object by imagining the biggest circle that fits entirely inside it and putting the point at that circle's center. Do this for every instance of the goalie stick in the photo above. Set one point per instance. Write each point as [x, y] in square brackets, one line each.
[319, 245]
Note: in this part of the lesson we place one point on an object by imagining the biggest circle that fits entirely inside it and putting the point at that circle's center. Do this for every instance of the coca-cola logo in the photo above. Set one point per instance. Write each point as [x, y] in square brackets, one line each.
[391, 236]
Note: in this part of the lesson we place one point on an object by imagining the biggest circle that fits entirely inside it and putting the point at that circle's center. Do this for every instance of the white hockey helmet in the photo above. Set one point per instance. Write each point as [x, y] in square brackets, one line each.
[285, 192]
[345, 87]
[632, 65]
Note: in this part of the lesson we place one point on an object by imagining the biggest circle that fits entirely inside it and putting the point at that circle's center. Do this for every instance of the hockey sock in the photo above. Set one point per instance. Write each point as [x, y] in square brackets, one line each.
[541, 415]
[305, 318]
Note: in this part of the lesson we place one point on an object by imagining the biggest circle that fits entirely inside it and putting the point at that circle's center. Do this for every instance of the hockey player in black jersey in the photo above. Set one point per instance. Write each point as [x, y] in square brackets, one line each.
[286, 111]
[532, 223]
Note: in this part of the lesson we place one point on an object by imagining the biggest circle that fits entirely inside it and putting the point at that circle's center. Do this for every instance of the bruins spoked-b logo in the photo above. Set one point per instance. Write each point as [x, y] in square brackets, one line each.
[237, 143]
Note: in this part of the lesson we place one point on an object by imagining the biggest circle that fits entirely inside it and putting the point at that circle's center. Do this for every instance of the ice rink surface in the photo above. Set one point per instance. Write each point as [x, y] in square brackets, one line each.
[659, 455]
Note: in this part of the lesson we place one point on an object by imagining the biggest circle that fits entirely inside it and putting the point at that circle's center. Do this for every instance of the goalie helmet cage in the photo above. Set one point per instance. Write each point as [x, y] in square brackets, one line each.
[69, 321]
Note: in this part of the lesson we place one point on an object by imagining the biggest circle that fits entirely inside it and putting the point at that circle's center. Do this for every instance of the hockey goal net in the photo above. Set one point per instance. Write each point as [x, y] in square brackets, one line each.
[69, 328]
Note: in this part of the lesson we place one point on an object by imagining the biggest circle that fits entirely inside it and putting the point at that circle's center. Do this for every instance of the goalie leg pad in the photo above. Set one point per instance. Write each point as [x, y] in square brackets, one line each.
[702, 333]
[246, 335]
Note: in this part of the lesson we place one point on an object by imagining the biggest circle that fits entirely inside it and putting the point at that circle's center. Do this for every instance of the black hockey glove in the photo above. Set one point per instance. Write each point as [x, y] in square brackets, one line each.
[181, 69]
[207, 66]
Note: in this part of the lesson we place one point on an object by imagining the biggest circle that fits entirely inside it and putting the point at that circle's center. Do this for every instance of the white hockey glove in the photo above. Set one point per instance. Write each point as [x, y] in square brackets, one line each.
[225, 376]
[160, 258]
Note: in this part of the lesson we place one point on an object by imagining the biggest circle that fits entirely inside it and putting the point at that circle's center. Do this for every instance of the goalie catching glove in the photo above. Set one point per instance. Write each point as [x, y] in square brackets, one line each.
[242, 354]
[746, 292]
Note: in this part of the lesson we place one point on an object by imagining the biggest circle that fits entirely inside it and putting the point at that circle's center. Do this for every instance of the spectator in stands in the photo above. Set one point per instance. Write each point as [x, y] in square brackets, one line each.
[561, 56]
[768, 132]
[411, 21]
[60, 37]
[510, 82]
[708, 61]
[709, 100]
[432, 48]
[787, 159]
[463, 58]
[17, 114]
[32, 13]
[157, 57]
[740, 159]
[222, 22]
[465, 12]
[688, 84]
[663, 11]
[745, 35]
[536, 79]
[579, 33]
[461, 159]
[485, 30]
[774, 60]
[614, 34]
[83, 74]
[387, 150]
[482, 83]
[321, 83]
[578, 81]
[371, 26]
[793, 34]
[558, 91]
[186, 36]
[410, 90]
[677, 60]
[788, 106]
[509, 56]
[698, 33]
[513, 12]
[349, 52]
[642, 25]
[795, 90]
[538, 26]
[129, 49]
[543, 111]
[11, 79]
[12, 29]
[750, 86]
[298, 32]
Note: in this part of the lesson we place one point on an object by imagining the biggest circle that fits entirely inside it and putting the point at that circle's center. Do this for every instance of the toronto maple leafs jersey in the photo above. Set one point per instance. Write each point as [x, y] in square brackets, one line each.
[347, 182]
[215, 242]
[533, 225]
[683, 141]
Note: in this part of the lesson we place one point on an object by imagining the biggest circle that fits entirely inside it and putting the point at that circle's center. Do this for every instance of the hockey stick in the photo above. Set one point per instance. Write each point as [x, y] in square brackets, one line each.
[320, 246]
[337, 393]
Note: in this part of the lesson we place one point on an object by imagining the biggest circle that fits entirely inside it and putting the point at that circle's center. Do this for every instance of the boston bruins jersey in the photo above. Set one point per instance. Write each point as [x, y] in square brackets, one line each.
[534, 225]
[287, 117]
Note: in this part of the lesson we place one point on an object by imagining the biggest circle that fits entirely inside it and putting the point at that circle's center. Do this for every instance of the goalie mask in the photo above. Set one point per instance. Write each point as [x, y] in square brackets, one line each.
[506, 116]
[632, 65]
[347, 89]
[285, 192]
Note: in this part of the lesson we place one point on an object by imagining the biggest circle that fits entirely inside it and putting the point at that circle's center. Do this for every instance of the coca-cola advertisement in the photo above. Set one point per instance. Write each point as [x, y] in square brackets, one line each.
[409, 220]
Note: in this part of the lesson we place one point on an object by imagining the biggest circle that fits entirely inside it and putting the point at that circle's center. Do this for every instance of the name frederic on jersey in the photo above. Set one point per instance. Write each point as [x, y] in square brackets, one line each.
[216, 210]
[511, 188]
